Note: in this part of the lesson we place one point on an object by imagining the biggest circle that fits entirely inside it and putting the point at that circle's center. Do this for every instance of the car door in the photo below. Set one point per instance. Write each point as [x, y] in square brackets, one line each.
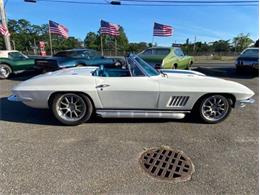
[182, 61]
[19, 61]
[139, 92]
[160, 54]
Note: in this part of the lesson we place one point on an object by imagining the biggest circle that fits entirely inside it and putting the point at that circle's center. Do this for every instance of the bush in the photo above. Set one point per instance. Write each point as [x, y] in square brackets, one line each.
[217, 58]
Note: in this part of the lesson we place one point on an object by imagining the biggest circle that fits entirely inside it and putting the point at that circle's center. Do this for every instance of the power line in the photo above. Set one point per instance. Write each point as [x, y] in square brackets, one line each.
[75, 2]
[166, 1]
[176, 3]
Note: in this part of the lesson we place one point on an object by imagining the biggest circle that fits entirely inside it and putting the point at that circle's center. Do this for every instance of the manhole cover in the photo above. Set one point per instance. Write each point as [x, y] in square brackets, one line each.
[168, 164]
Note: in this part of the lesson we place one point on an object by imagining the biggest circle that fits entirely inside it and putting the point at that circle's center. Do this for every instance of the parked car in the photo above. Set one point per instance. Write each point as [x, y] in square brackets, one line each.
[166, 58]
[12, 61]
[139, 91]
[248, 60]
[72, 58]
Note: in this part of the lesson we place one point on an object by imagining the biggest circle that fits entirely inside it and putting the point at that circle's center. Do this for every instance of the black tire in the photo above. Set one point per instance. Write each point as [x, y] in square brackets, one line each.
[189, 66]
[174, 66]
[239, 70]
[83, 117]
[5, 71]
[211, 120]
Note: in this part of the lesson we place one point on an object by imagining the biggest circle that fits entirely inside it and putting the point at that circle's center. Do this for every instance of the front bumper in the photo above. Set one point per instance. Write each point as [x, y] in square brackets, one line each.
[15, 98]
[247, 66]
[243, 103]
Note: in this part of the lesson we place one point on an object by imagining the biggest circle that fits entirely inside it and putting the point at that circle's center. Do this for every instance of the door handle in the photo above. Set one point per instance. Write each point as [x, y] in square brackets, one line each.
[102, 86]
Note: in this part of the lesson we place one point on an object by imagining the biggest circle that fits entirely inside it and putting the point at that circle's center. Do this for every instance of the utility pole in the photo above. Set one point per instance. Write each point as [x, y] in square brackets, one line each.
[4, 22]
[194, 46]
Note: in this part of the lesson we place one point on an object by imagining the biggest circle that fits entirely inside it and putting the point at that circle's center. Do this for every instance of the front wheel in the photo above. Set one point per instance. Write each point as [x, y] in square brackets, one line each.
[5, 71]
[214, 108]
[174, 66]
[71, 108]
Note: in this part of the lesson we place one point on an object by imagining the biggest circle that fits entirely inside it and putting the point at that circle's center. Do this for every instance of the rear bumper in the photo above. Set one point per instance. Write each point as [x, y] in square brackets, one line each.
[45, 68]
[243, 103]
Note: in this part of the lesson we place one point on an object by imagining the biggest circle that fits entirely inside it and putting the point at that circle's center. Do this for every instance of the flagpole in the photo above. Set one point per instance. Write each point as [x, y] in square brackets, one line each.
[50, 39]
[101, 44]
[115, 46]
[152, 41]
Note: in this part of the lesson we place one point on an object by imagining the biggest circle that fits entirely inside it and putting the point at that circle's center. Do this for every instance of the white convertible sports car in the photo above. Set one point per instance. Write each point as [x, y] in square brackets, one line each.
[136, 90]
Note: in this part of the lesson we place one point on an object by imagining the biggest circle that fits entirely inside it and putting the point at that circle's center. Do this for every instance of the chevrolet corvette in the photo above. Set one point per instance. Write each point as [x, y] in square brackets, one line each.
[136, 90]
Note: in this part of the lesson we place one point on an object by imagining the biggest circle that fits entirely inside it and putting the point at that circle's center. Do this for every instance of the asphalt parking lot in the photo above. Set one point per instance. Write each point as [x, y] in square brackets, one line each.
[38, 156]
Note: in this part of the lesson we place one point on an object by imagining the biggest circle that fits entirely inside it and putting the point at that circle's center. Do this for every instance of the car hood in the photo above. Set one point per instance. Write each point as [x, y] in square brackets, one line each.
[177, 72]
[193, 81]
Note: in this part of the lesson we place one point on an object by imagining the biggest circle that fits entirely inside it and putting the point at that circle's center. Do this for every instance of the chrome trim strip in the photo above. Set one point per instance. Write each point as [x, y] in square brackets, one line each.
[140, 114]
[152, 111]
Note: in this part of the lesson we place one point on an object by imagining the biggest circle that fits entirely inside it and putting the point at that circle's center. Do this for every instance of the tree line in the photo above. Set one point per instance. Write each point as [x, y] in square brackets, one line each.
[25, 37]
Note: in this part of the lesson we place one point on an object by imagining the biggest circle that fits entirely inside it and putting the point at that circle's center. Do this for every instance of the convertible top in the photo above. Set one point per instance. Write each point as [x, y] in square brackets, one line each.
[86, 71]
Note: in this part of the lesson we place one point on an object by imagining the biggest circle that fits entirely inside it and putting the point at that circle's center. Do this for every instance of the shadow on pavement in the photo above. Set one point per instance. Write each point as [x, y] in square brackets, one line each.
[23, 76]
[20, 113]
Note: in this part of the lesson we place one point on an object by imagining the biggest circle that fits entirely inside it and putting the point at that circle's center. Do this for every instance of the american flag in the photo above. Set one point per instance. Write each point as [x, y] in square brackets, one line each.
[109, 28]
[58, 29]
[4, 30]
[162, 30]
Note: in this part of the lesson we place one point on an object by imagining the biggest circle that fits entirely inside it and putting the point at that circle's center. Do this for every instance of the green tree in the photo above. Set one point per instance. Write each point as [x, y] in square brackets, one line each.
[138, 47]
[221, 46]
[26, 36]
[122, 41]
[242, 41]
[91, 41]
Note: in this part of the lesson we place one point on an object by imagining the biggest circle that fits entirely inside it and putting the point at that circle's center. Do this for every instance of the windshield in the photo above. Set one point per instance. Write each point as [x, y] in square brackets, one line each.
[78, 54]
[66, 54]
[250, 53]
[137, 62]
[92, 53]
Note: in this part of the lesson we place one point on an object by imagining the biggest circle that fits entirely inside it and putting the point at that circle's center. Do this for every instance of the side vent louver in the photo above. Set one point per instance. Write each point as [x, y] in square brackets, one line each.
[178, 101]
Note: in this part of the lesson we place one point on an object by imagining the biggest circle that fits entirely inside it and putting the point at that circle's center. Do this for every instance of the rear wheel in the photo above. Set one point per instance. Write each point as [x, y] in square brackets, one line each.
[189, 66]
[214, 108]
[5, 71]
[72, 108]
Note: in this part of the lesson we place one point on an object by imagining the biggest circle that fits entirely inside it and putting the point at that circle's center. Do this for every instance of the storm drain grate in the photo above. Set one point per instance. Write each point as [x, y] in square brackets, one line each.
[165, 163]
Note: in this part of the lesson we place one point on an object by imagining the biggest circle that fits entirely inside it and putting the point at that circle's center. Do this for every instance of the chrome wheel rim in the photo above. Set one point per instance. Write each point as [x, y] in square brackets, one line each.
[4, 72]
[214, 108]
[71, 107]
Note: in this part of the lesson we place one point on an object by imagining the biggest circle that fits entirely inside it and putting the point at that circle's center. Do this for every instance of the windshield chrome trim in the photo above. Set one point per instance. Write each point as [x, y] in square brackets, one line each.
[138, 65]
